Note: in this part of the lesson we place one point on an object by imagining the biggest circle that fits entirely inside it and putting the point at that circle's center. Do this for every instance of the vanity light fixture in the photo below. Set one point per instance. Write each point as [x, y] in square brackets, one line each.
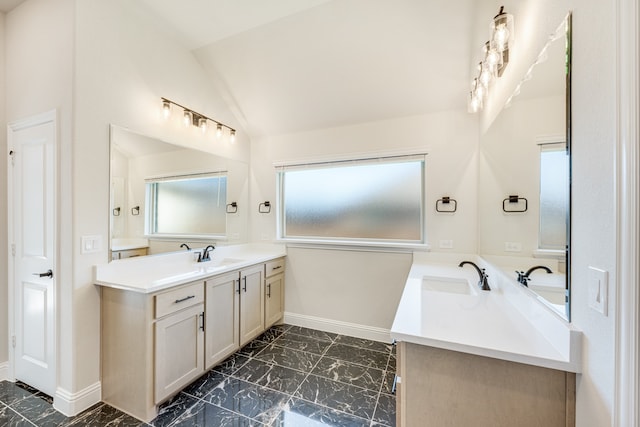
[495, 59]
[193, 118]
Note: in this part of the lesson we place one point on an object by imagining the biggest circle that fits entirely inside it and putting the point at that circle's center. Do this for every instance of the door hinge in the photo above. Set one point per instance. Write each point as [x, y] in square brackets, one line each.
[13, 341]
[13, 249]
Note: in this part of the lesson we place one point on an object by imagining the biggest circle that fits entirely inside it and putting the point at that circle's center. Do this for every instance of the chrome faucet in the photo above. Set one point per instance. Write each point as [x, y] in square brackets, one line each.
[204, 256]
[524, 277]
[483, 283]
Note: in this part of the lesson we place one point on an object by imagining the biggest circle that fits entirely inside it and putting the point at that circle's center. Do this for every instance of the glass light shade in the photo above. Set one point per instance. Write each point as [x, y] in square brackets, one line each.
[502, 30]
[202, 124]
[474, 103]
[232, 136]
[481, 91]
[187, 118]
[166, 109]
[485, 77]
[218, 131]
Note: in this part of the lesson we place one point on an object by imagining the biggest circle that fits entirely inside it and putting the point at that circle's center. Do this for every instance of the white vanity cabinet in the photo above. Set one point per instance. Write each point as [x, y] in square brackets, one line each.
[251, 303]
[274, 292]
[222, 334]
[154, 344]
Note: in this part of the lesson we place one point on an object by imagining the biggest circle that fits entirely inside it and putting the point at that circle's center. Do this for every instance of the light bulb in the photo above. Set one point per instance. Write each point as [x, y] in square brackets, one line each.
[218, 131]
[202, 123]
[232, 136]
[493, 57]
[480, 91]
[474, 103]
[485, 78]
[187, 117]
[501, 36]
[166, 108]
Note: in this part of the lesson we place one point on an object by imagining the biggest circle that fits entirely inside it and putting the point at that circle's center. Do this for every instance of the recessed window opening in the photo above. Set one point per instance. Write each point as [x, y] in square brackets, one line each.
[188, 205]
[372, 200]
[554, 196]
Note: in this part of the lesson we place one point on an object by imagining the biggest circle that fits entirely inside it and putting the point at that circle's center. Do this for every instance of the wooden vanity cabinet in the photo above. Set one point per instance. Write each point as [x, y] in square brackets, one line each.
[439, 388]
[274, 292]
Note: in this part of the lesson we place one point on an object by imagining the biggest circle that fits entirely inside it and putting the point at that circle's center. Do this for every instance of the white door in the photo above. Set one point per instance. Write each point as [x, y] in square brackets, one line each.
[32, 179]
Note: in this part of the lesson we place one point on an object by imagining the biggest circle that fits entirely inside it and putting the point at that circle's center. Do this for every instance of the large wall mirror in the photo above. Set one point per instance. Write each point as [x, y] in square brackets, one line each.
[524, 177]
[164, 195]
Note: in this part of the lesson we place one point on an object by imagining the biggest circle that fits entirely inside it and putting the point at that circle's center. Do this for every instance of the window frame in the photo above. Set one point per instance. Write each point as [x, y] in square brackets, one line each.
[150, 225]
[344, 242]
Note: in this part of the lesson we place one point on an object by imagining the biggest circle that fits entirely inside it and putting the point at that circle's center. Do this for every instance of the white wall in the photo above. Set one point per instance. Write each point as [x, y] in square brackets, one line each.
[593, 241]
[357, 287]
[124, 64]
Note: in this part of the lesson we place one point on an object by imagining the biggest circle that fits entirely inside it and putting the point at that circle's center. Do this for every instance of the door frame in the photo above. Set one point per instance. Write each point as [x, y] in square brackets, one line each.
[35, 120]
[627, 329]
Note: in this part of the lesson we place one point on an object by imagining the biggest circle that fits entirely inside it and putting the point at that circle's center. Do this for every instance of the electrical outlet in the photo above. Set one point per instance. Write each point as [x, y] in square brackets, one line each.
[512, 247]
[446, 244]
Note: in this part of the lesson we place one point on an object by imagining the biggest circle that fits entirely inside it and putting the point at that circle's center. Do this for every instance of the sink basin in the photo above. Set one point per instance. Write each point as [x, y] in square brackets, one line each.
[224, 262]
[452, 285]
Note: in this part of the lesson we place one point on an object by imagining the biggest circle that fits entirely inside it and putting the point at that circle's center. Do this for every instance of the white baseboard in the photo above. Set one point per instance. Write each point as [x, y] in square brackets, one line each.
[4, 371]
[71, 404]
[338, 327]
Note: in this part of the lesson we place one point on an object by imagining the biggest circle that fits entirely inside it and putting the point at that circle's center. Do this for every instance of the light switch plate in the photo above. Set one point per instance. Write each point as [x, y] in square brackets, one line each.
[91, 244]
[598, 290]
[512, 247]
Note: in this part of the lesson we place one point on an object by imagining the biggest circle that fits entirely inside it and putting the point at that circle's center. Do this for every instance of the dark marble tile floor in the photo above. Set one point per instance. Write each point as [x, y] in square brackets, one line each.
[288, 377]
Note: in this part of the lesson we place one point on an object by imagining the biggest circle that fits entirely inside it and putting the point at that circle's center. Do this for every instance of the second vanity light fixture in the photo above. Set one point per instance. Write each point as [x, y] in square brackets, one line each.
[495, 60]
[193, 118]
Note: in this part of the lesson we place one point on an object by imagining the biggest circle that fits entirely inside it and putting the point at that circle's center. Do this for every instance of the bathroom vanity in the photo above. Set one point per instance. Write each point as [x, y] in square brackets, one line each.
[167, 319]
[482, 358]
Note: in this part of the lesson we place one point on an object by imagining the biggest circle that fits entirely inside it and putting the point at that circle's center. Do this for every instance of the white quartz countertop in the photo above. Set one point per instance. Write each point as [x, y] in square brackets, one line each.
[483, 323]
[125, 244]
[158, 272]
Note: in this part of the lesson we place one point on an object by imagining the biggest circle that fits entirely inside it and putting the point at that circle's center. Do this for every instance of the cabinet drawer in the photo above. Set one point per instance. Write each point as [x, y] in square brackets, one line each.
[177, 299]
[129, 253]
[274, 267]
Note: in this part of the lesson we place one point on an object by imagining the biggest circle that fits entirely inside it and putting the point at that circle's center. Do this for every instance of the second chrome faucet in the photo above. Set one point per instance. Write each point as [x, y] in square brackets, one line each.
[483, 283]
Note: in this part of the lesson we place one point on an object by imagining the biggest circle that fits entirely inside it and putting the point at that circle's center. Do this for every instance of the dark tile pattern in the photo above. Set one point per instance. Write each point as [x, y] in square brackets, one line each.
[289, 376]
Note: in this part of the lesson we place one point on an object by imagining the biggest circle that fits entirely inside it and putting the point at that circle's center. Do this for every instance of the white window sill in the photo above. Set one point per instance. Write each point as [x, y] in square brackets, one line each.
[347, 245]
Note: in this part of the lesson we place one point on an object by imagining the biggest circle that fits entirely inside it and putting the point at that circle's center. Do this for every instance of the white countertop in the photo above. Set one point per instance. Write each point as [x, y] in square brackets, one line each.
[157, 272]
[485, 323]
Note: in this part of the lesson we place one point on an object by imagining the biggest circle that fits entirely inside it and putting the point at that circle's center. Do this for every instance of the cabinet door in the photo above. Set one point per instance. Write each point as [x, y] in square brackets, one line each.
[274, 299]
[222, 317]
[251, 303]
[179, 350]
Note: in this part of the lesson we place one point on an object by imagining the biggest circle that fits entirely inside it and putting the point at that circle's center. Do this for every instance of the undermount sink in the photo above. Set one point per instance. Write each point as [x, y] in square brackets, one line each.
[224, 262]
[452, 285]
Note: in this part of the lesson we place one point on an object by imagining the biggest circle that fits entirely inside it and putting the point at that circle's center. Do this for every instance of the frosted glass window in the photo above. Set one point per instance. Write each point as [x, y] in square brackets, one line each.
[188, 205]
[554, 196]
[373, 201]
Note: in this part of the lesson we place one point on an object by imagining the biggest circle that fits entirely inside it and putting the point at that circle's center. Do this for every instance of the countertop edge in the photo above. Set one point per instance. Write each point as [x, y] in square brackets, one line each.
[258, 259]
[562, 365]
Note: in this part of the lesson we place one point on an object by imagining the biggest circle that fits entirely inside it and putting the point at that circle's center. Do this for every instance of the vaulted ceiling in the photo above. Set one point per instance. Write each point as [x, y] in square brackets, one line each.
[293, 65]
[287, 66]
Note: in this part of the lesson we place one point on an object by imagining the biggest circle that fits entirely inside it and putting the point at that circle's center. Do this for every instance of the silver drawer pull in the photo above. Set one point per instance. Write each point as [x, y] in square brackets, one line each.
[184, 299]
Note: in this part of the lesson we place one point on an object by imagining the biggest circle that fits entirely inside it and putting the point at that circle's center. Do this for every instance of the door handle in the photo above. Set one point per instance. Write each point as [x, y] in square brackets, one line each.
[269, 290]
[48, 273]
[244, 279]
